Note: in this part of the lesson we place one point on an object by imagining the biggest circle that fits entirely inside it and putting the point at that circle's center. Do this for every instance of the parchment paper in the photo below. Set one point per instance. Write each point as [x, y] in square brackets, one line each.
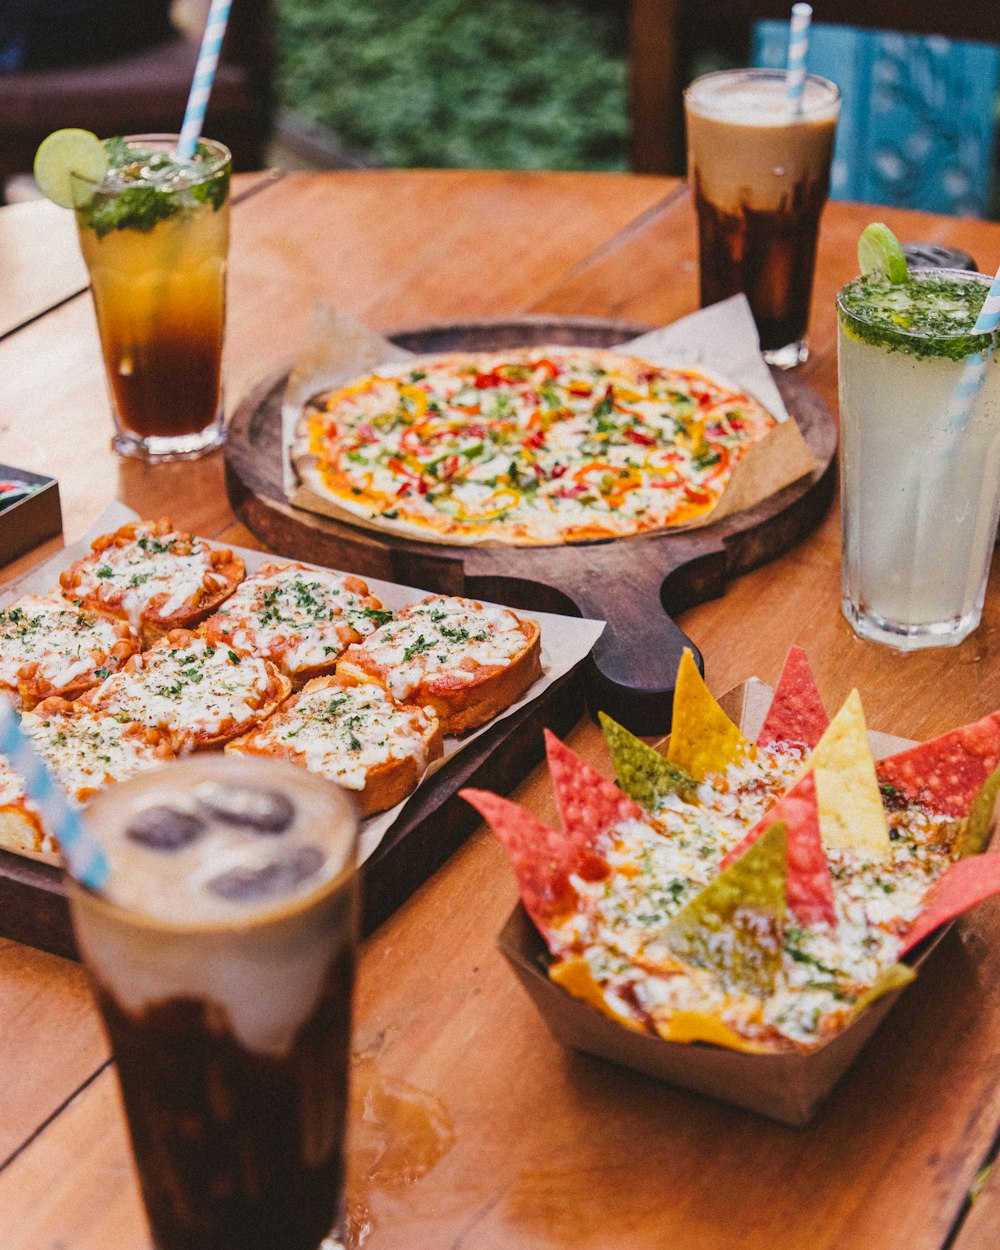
[565, 641]
[721, 340]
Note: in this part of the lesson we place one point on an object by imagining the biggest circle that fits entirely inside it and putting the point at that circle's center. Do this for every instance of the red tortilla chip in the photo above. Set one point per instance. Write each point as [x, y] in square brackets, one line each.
[796, 713]
[961, 886]
[542, 858]
[809, 888]
[945, 774]
[588, 802]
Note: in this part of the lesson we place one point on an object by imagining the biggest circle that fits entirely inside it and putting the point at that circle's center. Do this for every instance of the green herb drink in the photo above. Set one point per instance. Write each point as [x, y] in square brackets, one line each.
[154, 232]
[919, 458]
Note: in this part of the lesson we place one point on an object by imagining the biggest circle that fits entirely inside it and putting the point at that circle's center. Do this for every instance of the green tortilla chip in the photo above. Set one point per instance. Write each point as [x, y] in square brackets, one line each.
[892, 978]
[735, 926]
[641, 770]
[974, 831]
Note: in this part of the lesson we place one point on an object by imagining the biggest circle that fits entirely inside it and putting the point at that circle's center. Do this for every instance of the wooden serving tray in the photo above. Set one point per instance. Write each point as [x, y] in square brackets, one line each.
[633, 584]
[33, 903]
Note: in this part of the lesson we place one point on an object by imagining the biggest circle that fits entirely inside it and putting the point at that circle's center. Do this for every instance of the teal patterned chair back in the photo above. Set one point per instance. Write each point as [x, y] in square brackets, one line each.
[919, 117]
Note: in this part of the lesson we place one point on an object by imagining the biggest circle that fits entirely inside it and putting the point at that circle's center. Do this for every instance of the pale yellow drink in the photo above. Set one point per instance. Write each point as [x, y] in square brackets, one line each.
[155, 237]
[919, 468]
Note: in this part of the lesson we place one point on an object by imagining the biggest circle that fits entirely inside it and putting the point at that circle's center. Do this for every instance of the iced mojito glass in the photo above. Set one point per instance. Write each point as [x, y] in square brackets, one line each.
[919, 466]
[155, 236]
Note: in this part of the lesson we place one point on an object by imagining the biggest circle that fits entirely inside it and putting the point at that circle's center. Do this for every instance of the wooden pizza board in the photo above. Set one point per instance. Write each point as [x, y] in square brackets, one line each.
[633, 584]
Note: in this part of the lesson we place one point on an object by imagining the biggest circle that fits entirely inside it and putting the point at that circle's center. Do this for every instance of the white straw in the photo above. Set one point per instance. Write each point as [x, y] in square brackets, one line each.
[967, 388]
[83, 856]
[204, 76]
[798, 54]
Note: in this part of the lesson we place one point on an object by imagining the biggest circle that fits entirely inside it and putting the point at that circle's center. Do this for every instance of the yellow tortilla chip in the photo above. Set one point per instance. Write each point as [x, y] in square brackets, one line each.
[851, 816]
[702, 737]
[575, 977]
[697, 1026]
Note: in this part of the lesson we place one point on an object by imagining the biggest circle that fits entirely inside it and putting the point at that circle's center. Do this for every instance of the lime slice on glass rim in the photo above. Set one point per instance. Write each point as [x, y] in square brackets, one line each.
[66, 162]
[880, 253]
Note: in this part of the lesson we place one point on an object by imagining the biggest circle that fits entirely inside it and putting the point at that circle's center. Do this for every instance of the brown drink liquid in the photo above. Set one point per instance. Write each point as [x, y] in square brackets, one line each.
[760, 179]
[155, 237]
[221, 954]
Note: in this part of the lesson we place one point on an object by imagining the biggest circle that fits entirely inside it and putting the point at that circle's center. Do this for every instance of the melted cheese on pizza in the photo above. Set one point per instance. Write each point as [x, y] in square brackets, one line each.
[299, 618]
[171, 568]
[441, 637]
[84, 751]
[344, 732]
[87, 750]
[64, 642]
[543, 446]
[193, 690]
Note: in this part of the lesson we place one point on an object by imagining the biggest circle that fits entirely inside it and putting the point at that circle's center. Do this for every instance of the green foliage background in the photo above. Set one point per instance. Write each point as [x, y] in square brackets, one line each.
[519, 84]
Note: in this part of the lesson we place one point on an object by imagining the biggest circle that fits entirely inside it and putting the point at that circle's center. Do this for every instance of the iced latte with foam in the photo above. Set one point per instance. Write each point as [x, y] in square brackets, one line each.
[760, 174]
[221, 953]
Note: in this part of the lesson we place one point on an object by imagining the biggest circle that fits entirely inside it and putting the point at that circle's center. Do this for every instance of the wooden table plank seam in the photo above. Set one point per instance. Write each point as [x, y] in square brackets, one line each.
[54, 1115]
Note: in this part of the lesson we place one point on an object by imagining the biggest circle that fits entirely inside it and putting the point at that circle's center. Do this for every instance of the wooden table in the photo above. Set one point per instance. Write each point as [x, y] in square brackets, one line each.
[471, 1126]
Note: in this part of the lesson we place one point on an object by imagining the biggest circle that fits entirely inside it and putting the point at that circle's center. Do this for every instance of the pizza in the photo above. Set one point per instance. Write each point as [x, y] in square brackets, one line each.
[49, 646]
[528, 446]
[154, 577]
[86, 751]
[142, 696]
[199, 695]
[300, 619]
[465, 660]
[357, 736]
[753, 895]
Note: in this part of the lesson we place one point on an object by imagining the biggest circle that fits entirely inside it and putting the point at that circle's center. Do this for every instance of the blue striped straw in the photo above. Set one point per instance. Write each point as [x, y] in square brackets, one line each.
[204, 76]
[798, 54]
[960, 408]
[84, 858]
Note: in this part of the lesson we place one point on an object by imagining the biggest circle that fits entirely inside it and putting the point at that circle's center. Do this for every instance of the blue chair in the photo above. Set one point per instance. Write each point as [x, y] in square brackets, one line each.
[919, 120]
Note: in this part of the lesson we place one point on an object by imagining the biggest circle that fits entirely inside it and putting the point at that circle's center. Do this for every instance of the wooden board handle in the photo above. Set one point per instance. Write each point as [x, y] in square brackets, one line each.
[632, 670]
[633, 667]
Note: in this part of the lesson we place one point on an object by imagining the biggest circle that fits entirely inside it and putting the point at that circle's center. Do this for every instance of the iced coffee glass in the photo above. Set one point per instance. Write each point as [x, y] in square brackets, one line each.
[760, 175]
[155, 237]
[221, 954]
[919, 463]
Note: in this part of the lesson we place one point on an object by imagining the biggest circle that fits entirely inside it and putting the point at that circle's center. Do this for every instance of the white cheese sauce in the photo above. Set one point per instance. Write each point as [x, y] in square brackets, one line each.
[62, 640]
[298, 618]
[128, 578]
[442, 635]
[189, 690]
[657, 868]
[344, 732]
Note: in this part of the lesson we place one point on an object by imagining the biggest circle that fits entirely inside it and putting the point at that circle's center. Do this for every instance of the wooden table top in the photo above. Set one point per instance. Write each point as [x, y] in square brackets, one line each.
[471, 1127]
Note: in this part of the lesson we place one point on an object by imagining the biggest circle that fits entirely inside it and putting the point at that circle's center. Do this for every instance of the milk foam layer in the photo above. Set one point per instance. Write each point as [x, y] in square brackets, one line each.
[746, 150]
[159, 932]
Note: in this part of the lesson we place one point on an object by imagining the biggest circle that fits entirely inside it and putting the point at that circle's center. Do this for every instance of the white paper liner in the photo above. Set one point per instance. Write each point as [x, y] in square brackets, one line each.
[565, 640]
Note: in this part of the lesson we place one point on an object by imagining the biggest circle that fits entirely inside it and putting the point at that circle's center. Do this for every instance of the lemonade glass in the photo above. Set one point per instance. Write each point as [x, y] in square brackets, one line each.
[155, 236]
[919, 465]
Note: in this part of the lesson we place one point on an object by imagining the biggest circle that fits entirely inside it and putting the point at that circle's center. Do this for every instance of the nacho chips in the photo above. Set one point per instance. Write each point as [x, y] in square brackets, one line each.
[753, 896]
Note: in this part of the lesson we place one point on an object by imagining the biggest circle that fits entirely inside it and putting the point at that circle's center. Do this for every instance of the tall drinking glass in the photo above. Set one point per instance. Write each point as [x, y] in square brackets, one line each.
[919, 466]
[155, 237]
[760, 173]
[221, 955]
